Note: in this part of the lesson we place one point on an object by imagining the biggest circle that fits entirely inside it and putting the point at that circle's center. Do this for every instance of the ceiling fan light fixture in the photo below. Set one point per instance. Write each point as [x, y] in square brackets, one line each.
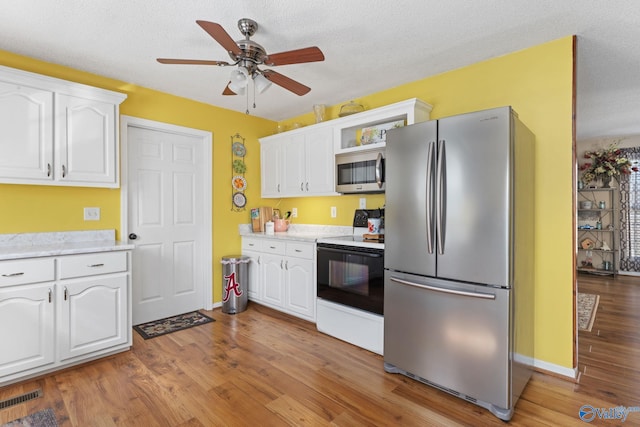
[261, 82]
[240, 77]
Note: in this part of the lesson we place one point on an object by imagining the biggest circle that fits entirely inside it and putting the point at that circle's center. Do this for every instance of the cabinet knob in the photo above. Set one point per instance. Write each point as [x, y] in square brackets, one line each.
[133, 236]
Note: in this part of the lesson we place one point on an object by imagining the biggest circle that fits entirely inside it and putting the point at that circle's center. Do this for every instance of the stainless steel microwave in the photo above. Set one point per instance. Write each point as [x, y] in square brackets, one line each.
[360, 172]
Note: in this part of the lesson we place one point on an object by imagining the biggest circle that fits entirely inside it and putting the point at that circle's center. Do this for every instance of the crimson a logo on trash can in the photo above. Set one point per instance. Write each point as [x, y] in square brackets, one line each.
[232, 285]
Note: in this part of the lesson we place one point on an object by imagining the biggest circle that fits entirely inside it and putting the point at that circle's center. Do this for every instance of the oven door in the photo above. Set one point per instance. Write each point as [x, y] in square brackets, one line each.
[361, 172]
[352, 276]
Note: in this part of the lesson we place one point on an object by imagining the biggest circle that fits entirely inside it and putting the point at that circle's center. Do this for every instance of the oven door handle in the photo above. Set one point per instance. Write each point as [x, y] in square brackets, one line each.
[344, 251]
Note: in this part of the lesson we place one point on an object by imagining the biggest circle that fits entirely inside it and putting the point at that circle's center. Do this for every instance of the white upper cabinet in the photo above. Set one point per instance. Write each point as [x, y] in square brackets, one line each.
[301, 162]
[26, 132]
[298, 163]
[55, 132]
[271, 168]
[86, 142]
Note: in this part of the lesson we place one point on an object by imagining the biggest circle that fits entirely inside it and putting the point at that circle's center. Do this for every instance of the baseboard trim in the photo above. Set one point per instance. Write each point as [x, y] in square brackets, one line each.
[563, 372]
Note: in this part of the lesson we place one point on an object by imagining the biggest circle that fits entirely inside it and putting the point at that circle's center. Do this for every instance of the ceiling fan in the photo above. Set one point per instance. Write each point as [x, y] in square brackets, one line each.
[248, 56]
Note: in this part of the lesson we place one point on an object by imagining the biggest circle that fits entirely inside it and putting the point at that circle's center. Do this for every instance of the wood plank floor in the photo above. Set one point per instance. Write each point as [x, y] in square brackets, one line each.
[263, 368]
[609, 355]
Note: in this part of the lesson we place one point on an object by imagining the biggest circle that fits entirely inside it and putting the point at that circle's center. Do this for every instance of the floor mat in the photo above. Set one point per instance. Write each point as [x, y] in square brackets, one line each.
[172, 324]
[44, 418]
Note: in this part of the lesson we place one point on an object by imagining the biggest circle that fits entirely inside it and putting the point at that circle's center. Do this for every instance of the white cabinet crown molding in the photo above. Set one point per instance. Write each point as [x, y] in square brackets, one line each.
[54, 84]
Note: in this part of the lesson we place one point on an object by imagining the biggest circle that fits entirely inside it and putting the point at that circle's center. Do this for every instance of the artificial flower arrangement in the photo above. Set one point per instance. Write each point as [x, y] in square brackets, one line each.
[605, 164]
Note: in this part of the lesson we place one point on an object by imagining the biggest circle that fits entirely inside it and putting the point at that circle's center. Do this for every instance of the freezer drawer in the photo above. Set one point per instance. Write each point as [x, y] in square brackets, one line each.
[451, 334]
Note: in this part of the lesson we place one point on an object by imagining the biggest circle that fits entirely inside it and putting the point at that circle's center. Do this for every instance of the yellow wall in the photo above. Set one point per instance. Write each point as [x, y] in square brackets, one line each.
[538, 83]
[32, 208]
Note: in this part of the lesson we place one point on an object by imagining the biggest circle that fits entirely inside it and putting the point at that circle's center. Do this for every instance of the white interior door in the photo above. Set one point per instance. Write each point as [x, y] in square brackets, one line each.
[168, 186]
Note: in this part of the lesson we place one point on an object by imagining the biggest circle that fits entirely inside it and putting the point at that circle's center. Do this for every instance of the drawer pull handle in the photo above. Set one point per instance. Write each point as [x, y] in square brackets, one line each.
[13, 274]
[48, 169]
[64, 171]
[272, 247]
[298, 250]
[96, 265]
[49, 295]
[65, 293]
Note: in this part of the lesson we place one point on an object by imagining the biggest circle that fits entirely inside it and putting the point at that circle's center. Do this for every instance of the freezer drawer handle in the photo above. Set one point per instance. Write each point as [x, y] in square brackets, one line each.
[445, 291]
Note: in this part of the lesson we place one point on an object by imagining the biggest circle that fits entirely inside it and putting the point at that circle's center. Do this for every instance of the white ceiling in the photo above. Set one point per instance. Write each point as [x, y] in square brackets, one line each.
[369, 45]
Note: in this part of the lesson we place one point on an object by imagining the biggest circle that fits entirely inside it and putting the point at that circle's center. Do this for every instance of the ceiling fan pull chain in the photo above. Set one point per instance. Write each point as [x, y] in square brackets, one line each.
[254, 96]
[247, 112]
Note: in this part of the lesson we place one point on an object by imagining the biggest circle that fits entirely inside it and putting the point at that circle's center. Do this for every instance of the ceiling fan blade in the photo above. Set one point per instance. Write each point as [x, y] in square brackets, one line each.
[287, 83]
[191, 61]
[298, 56]
[221, 36]
[228, 91]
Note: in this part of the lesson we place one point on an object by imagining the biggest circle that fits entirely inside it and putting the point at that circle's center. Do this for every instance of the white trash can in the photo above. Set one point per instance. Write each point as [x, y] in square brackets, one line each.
[235, 274]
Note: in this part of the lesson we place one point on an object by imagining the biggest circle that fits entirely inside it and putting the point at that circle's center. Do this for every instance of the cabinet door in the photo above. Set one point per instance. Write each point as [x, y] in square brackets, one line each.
[27, 334]
[270, 169]
[93, 314]
[86, 142]
[320, 162]
[300, 286]
[255, 275]
[293, 166]
[273, 280]
[26, 133]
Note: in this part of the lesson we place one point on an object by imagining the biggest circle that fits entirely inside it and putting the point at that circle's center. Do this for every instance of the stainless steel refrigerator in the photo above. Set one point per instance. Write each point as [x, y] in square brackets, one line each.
[459, 251]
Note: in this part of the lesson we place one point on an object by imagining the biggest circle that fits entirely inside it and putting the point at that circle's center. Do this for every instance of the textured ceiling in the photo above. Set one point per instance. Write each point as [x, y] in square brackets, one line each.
[369, 45]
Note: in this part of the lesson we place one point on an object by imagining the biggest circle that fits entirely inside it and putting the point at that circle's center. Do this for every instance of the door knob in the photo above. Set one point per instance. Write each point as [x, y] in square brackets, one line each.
[133, 236]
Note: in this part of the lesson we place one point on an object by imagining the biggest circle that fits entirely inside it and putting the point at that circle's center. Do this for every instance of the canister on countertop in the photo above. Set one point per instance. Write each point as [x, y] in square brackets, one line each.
[269, 227]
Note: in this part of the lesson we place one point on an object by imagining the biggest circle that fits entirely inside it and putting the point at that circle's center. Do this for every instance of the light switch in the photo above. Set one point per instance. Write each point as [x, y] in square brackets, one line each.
[92, 214]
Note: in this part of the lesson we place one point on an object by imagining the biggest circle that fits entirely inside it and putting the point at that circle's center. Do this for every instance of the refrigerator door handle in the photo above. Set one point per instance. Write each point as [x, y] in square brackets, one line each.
[444, 290]
[441, 196]
[429, 198]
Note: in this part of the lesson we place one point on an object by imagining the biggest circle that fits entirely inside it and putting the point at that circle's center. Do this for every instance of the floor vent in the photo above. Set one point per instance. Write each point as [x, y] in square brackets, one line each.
[16, 400]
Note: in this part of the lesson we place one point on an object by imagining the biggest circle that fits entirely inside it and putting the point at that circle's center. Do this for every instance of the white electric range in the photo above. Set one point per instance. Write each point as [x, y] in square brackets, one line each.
[350, 285]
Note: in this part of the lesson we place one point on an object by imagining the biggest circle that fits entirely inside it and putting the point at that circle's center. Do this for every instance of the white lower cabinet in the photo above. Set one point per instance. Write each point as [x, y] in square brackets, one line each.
[52, 322]
[273, 280]
[27, 333]
[283, 273]
[92, 316]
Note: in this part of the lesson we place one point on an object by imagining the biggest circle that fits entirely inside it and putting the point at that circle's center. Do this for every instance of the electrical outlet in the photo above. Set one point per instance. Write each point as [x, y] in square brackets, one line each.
[363, 203]
[294, 212]
[334, 212]
[92, 214]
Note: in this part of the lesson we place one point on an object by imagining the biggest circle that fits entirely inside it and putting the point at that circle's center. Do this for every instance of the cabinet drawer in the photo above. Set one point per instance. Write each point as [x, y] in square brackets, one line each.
[92, 264]
[249, 244]
[300, 250]
[273, 247]
[20, 272]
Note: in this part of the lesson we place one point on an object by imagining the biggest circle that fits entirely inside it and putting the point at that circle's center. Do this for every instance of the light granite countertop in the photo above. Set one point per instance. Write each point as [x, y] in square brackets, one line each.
[299, 232]
[35, 245]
